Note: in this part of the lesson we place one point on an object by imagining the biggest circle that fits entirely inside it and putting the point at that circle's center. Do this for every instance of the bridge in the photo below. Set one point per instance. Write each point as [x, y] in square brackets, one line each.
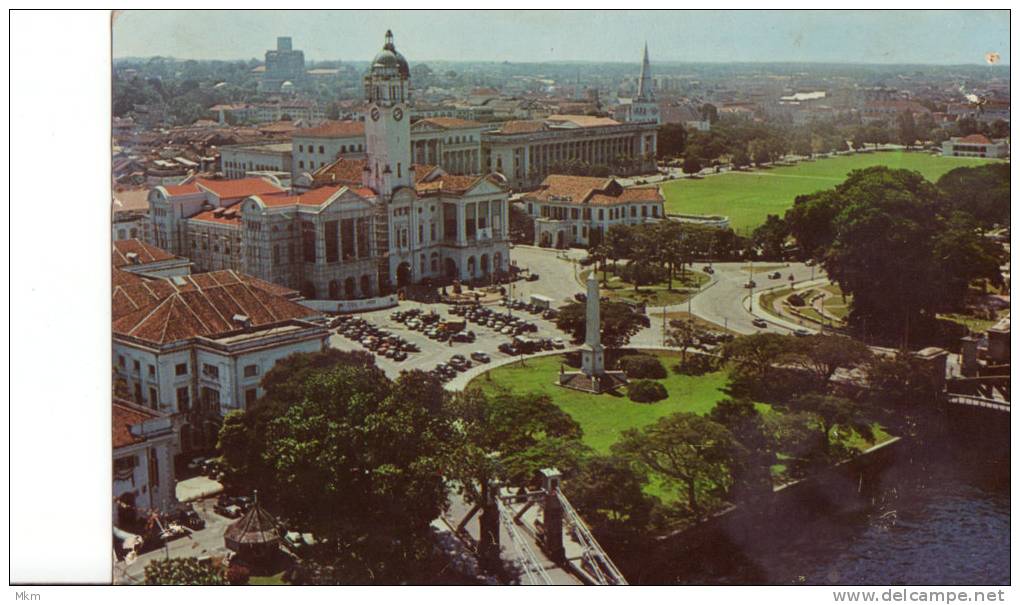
[537, 533]
[991, 392]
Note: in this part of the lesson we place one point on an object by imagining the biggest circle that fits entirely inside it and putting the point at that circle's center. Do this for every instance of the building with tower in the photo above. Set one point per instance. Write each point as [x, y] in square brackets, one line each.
[643, 107]
[355, 227]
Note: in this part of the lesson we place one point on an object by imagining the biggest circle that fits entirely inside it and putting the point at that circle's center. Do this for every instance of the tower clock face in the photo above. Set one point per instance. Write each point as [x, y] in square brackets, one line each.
[375, 114]
[398, 113]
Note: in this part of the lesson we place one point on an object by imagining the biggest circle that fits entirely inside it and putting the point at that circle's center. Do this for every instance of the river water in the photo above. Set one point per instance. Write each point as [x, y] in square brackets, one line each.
[935, 518]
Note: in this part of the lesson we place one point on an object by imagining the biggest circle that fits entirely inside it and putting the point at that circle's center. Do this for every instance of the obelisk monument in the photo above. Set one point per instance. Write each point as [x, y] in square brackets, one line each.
[593, 361]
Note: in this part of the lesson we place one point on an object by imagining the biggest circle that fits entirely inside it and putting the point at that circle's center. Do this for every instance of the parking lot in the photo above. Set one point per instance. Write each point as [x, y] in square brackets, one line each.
[432, 352]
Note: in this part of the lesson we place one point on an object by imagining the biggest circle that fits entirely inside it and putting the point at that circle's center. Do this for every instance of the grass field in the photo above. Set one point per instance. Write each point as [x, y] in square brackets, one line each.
[748, 197]
[604, 417]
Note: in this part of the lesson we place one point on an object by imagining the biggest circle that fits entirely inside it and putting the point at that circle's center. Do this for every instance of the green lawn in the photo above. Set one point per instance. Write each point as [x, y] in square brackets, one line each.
[604, 417]
[748, 197]
[273, 580]
[652, 295]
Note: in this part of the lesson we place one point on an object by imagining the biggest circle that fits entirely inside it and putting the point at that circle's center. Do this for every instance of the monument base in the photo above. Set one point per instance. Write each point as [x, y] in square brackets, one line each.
[596, 383]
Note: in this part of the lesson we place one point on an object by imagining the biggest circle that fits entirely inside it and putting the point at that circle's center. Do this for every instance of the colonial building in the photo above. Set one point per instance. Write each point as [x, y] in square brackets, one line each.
[527, 151]
[316, 147]
[195, 347]
[144, 443]
[575, 210]
[239, 161]
[356, 227]
[975, 146]
[452, 143]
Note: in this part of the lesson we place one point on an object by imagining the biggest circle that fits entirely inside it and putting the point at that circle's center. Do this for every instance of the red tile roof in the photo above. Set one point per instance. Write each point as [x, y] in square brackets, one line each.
[333, 129]
[225, 216]
[974, 139]
[204, 305]
[448, 183]
[314, 197]
[124, 417]
[521, 127]
[340, 171]
[144, 253]
[591, 190]
[187, 189]
[238, 188]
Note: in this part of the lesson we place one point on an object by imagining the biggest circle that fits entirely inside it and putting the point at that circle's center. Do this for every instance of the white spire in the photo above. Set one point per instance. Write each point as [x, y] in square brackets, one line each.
[645, 81]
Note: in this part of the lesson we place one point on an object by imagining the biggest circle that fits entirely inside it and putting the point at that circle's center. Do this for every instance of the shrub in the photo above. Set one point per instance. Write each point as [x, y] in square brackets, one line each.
[646, 391]
[237, 575]
[696, 365]
[642, 366]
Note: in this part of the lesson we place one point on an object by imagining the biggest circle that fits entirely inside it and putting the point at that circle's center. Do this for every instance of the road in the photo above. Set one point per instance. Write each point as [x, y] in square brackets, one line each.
[724, 300]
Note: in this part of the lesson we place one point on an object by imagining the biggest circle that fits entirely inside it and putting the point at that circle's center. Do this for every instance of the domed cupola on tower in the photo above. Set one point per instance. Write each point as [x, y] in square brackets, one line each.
[386, 82]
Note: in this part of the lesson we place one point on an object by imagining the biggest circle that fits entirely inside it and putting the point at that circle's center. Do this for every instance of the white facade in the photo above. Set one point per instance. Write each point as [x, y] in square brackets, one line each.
[237, 161]
[144, 468]
[975, 146]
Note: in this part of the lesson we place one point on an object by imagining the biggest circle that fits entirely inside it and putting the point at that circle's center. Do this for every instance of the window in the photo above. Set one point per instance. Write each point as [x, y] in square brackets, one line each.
[301, 148]
[124, 467]
[153, 398]
[181, 369]
[152, 370]
[210, 398]
[602, 214]
[301, 164]
[137, 366]
[120, 360]
[252, 370]
[153, 469]
[655, 211]
[321, 149]
[210, 370]
[250, 396]
[183, 399]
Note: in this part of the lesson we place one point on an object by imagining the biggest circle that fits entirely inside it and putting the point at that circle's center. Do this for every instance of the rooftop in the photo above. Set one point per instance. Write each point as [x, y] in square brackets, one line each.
[125, 416]
[333, 129]
[136, 252]
[591, 190]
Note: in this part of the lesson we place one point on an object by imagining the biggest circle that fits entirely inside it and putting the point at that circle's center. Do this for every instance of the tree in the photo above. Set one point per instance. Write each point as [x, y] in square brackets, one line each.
[906, 129]
[743, 420]
[510, 437]
[619, 322]
[755, 354]
[692, 165]
[836, 416]
[609, 494]
[684, 334]
[619, 240]
[771, 236]
[187, 571]
[672, 140]
[891, 249]
[341, 451]
[810, 221]
[686, 450]
[982, 191]
[740, 158]
[822, 355]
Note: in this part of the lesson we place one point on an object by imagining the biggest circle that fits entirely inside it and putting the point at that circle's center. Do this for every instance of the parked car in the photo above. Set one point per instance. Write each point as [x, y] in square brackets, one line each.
[481, 357]
[581, 297]
[708, 269]
[751, 284]
[775, 275]
[801, 332]
[532, 276]
[558, 343]
[759, 323]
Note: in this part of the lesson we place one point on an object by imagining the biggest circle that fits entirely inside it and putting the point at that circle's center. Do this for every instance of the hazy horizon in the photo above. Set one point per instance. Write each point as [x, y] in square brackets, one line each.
[835, 37]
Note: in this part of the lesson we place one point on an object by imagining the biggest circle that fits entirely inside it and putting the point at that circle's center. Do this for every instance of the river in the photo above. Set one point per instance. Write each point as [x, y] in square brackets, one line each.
[939, 517]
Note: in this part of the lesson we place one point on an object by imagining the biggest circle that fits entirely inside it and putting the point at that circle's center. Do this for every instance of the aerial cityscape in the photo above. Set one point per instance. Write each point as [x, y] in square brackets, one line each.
[533, 319]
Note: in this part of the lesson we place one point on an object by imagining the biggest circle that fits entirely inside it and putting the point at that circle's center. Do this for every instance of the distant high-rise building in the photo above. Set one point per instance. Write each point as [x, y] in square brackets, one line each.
[283, 65]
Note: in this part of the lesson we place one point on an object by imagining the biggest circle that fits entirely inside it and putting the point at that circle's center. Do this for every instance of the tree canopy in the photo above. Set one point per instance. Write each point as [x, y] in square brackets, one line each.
[619, 322]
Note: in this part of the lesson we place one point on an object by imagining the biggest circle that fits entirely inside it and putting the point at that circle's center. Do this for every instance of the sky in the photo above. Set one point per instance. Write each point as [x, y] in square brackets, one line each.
[932, 37]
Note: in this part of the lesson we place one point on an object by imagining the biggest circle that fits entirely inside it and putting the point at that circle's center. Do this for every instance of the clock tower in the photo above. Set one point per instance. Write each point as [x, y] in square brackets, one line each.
[387, 126]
